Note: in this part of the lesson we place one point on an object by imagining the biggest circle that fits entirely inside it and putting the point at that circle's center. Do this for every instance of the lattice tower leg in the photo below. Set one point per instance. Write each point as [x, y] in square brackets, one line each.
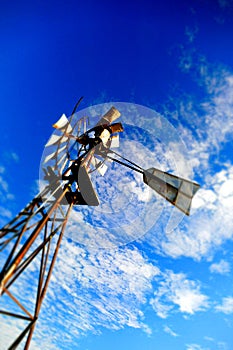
[31, 240]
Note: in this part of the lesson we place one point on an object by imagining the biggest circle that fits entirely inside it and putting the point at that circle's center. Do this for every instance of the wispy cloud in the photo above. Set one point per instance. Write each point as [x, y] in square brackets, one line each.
[191, 33]
[226, 306]
[195, 347]
[223, 267]
[178, 291]
[5, 196]
[208, 127]
[10, 156]
[99, 289]
[168, 330]
[209, 225]
[2, 169]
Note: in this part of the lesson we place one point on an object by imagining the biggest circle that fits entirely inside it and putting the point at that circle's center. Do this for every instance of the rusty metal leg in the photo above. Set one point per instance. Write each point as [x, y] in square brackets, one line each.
[26, 227]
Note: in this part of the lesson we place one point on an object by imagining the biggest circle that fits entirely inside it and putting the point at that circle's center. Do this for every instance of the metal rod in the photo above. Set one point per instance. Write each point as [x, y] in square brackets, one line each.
[15, 315]
[21, 336]
[127, 160]
[29, 242]
[38, 306]
[26, 262]
[127, 165]
[18, 303]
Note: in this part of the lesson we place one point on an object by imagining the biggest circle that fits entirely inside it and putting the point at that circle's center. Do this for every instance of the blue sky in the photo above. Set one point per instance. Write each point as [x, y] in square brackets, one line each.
[166, 290]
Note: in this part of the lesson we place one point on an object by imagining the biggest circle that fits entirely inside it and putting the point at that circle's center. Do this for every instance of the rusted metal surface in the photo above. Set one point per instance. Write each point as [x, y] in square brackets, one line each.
[29, 237]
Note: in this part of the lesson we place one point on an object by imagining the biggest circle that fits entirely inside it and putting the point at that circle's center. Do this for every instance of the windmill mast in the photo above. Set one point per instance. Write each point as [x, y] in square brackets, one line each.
[34, 235]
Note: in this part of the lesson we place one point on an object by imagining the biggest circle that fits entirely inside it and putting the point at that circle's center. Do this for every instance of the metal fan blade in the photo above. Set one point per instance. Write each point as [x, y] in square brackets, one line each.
[115, 143]
[176, 190]
[49, 157]
[63, 124]
[59, 161]
[55, 139]
[101, 168]
[110, 116]
[53, 155]
[62, 166]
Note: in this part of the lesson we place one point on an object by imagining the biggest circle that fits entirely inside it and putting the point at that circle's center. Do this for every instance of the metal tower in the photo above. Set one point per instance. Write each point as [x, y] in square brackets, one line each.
[34, 235]
[29, 244]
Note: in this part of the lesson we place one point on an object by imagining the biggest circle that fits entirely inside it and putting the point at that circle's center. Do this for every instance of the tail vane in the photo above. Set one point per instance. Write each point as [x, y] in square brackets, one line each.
[176, 190]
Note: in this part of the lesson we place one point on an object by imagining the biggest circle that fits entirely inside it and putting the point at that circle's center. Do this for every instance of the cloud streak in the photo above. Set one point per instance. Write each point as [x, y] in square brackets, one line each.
[208, 128]
[226, 306]
[178, 292]
[223, 267]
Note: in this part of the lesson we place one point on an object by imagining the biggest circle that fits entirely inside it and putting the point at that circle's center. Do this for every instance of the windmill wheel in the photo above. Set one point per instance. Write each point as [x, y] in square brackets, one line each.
[72, 145]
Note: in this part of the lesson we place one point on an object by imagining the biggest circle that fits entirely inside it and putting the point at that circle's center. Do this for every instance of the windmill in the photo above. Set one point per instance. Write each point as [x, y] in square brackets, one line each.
[72, 154]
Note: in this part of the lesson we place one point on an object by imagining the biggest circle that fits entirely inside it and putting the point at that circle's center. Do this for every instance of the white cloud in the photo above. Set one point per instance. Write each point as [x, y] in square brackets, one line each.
[170, 331]
[208, 126]
[209, 225]
[5, 195]
[191, 33]
[14, 156]
[12, 328]
[195, 347]
[227, 305]
[88, 291]
[2, 169]
[5, 215]
[98, 289]
[211, 120]
[11, 155]
[222, 267]
[177, 291]
[3, 185]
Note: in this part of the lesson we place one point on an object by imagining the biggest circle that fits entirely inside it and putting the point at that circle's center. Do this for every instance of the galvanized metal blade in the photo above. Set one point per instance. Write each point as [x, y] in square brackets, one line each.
[115, 141]
[63, 124]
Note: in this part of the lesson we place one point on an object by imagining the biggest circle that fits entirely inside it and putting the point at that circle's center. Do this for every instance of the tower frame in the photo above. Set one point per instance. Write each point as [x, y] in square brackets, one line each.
[35, 233]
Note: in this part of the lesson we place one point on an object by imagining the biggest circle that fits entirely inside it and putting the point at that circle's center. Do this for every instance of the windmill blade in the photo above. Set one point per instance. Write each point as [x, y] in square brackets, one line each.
[63, 124]
[102, 169]
[59, 143]
[62, 159]
[176, 190]
[59, 148]
[110, 116]
[54, 155]
[99, 166]
[56, 139]
[115, 141]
